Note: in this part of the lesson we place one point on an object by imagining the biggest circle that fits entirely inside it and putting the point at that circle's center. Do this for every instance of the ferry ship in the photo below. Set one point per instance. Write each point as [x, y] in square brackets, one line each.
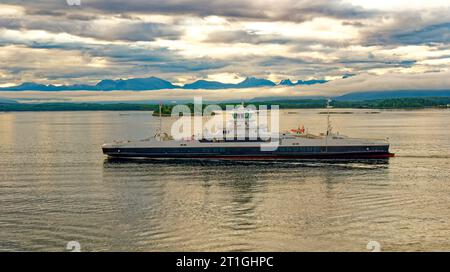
[296, 144]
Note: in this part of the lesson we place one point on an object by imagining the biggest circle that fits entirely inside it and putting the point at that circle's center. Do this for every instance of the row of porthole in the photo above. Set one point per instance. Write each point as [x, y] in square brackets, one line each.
[287, 149]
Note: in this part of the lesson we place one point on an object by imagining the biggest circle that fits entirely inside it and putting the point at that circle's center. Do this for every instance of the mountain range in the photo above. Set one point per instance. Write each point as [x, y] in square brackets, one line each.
[154, 83]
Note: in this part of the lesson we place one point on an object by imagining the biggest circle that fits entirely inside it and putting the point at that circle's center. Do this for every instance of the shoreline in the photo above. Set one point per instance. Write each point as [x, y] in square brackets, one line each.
[379, 104]
[169, 115]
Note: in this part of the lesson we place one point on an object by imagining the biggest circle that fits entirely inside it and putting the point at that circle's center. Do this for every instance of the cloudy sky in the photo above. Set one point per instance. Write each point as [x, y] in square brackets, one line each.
[49, 41]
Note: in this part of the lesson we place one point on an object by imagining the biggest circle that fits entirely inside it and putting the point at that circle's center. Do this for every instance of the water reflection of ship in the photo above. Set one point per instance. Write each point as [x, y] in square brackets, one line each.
[230, 201]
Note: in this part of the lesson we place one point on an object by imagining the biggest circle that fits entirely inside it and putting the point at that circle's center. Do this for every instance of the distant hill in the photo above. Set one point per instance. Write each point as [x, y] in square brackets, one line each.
[347, 75]
[284, 98]
[31, 87]
[251, 82]
[311, 82]
[286, 82]
[359, 96]
[7, 101]
[362, 96]
[135, 84]
[208, 85]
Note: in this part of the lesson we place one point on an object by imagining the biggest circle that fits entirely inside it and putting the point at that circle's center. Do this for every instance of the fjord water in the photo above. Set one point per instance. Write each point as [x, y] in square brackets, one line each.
[56, 187]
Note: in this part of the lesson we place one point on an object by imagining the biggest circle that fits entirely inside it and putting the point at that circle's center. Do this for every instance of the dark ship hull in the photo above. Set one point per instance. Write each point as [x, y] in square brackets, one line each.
[252, 153]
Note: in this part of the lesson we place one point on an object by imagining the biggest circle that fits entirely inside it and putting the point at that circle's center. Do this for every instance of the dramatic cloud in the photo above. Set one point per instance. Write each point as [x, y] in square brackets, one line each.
[278, 10]
[50, 41]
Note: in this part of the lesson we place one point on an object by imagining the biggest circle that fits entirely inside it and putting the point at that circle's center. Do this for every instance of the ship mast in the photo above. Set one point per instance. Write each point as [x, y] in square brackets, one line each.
[329, 127]
[160, 122]
[160, 119]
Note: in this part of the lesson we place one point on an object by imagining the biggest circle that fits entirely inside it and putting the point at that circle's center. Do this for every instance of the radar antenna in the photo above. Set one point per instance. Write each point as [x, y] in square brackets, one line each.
[329, 127]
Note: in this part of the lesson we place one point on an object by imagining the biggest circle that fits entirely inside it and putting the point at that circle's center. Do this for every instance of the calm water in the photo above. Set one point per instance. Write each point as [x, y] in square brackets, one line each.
[56, 186]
